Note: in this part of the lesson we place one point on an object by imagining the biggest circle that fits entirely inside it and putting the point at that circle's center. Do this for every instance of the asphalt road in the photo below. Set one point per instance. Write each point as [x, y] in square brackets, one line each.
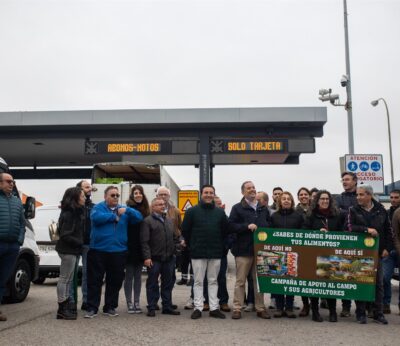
[33, 322]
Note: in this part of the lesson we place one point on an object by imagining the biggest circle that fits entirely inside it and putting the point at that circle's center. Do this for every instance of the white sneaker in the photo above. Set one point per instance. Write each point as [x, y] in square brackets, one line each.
[189, 304]
[249, 308]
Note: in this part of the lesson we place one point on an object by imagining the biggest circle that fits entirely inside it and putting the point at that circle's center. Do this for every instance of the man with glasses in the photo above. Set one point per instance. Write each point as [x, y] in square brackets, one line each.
[108, 250]
[158, 241]
[12, 231]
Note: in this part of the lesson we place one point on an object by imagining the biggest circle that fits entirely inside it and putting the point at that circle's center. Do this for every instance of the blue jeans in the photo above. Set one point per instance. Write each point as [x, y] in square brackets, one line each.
[388, 264]
[8, 256]
[165, 270]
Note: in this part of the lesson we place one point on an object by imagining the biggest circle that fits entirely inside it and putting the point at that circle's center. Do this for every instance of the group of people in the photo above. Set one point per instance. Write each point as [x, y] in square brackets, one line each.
[116, 241]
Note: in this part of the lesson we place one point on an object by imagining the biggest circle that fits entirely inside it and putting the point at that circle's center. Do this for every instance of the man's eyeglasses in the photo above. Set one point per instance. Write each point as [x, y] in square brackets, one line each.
[8, 181]
[115, 195]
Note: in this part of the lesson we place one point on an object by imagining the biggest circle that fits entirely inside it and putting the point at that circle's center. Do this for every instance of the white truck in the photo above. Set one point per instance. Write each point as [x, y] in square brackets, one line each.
[27, 265]
[126, 174]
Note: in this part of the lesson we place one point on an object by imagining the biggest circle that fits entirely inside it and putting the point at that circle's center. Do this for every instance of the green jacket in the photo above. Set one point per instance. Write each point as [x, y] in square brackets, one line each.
[12, 220]
[204, 227]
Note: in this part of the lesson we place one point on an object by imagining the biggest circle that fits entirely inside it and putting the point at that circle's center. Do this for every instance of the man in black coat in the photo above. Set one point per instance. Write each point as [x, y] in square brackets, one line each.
[370, 217]
[344, 201]
[244, 219]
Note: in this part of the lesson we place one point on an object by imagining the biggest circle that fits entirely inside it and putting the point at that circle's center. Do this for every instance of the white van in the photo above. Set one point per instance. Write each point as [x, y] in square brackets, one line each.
[46, 218]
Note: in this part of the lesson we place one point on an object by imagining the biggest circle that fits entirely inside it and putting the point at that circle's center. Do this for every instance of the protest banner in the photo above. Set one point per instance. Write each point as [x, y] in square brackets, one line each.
[339, 265]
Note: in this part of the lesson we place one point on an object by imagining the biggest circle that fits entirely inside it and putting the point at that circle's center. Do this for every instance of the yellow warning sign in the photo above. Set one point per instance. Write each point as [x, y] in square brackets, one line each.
[187, 199]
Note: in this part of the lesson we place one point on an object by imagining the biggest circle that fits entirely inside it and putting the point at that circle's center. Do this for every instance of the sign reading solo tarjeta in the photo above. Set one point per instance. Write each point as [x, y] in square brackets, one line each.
[339, 265]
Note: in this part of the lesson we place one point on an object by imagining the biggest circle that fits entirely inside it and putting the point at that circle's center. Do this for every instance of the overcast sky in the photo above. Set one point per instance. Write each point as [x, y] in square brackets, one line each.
[70, 55]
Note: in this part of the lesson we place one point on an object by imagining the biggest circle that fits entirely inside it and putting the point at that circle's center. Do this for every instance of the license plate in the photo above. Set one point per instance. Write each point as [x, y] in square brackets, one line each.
[47, 248]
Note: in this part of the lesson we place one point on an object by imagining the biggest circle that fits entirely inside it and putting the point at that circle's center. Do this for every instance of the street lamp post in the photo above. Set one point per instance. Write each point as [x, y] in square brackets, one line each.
[375, 103]
[326, 94]
[348, 106]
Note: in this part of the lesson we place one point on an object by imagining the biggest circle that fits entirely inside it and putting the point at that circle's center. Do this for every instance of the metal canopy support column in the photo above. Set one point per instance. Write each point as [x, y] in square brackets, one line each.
[204, 160]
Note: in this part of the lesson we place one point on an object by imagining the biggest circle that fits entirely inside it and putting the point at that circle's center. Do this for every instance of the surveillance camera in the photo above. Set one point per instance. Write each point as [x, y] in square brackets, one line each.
[324, 92]
[344, 80]
[333, 98]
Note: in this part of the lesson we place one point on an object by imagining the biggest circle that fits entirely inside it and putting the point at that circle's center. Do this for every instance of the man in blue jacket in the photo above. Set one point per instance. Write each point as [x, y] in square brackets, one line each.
[108, 250]
[12, 230]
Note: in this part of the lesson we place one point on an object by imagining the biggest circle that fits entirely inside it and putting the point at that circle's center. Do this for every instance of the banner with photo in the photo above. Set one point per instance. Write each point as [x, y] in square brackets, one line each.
[340, 265]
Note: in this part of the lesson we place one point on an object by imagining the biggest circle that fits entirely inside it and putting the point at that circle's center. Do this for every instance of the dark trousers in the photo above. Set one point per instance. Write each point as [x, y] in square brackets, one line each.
[283, 301]
[111, 264]
[8, 256]
[346, 304]
[315, 302]
[249, 298]
[377, 305]
[223, 294]
[185, 263]
[165, 270]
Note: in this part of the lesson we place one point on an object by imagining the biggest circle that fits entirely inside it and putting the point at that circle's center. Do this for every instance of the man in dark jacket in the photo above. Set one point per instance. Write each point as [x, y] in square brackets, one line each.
[370, 217]
[12, 230]
[158, 241]
[344, 201]
[390, 262]
[204, 227]
[244, 219]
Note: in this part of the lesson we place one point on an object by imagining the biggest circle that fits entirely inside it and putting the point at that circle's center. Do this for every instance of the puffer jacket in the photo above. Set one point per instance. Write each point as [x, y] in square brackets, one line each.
[241, 216]
[287, 218]
[12, 220]
[359, 220]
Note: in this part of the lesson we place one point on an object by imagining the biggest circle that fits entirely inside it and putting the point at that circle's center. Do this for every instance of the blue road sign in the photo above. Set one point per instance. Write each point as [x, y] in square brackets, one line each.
[364, 166]
[352, 166]
[375, 166]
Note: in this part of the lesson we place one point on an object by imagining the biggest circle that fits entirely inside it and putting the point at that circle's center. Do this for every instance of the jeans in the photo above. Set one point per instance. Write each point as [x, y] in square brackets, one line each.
[165, 270]
[133, 274]
[67, 271]
[8, 256]
[388, 265]
[377, 305]
[111, 264]
[284, 302]
[201, 267]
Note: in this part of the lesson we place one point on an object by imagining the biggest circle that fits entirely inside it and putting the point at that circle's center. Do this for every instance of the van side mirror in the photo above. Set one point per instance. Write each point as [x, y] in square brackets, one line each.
[30, 208]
